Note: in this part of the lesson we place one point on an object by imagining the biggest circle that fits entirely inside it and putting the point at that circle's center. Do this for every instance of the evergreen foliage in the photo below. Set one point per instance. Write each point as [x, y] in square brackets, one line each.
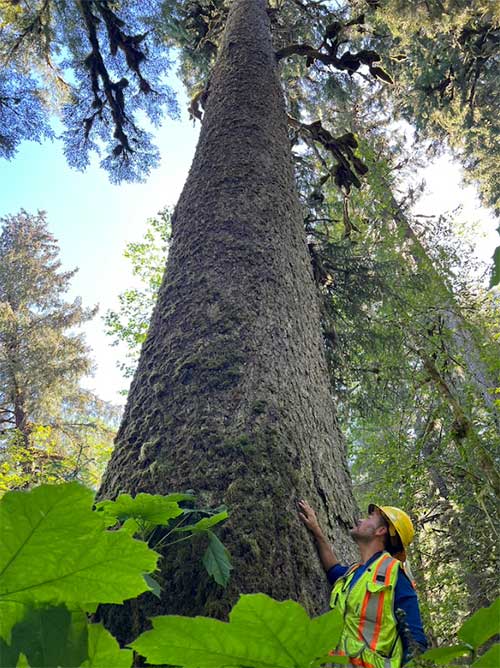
[107, 63]
[51, 428]
[445, 61]
[100, 66]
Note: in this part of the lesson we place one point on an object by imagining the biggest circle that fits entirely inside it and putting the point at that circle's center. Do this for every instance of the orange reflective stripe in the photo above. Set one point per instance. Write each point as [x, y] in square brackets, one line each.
[380, 609]
[360, 662]
[366, 600]
[362, 618]
[388, 572]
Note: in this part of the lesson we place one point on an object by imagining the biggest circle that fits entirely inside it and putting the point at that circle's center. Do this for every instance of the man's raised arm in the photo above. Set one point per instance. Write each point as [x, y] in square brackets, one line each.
[326, 554]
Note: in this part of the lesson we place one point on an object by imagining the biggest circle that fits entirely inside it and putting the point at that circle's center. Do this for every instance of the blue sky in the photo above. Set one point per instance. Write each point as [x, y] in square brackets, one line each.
[94, 220]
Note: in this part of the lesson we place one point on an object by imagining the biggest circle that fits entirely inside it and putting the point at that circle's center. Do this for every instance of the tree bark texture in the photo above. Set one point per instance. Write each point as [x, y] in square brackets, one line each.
[231, 398]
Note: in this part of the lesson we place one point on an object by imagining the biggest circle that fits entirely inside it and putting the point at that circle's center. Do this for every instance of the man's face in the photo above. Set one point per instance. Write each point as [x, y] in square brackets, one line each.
[369, 527]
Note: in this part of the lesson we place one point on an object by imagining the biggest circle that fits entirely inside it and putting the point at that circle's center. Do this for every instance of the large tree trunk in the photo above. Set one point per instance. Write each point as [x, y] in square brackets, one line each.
[231, 397]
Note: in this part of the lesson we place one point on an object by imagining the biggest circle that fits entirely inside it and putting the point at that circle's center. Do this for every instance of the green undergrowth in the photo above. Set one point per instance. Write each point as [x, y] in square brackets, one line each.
[62, 555]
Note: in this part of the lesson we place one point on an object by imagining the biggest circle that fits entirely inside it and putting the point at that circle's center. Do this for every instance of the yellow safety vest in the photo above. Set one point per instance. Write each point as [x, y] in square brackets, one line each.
[370, 636]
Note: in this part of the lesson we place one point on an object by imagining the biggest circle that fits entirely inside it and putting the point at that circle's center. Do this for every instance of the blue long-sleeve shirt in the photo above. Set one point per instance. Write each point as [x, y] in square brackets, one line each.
[405, 599]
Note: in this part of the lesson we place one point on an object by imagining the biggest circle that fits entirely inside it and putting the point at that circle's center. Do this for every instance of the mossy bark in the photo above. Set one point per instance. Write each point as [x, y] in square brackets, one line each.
[231, 397]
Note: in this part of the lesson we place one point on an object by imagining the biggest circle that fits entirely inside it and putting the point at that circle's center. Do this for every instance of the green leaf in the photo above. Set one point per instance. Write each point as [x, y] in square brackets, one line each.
[153, 585]
[78, 637]
[288, 624]
[55, 549]
[328, 660]
[443, 655]
[130, 526]
[8, 655]
[48, 637]
[151, 508]
[10, 614]
[490, 659]
[196, 642]
[483, 625]
[217, 561]
[104, 651]
[205, 523]
[261, 633]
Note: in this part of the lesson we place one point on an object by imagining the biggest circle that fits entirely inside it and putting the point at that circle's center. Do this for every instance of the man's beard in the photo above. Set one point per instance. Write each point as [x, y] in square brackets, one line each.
[361, 538]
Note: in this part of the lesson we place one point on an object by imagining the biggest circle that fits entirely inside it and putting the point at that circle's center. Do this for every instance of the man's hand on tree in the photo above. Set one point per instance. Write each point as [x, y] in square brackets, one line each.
[308, 517]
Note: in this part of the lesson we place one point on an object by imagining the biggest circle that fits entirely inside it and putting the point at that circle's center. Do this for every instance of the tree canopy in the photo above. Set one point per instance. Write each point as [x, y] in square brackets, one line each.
[99, 65]
[101, 68]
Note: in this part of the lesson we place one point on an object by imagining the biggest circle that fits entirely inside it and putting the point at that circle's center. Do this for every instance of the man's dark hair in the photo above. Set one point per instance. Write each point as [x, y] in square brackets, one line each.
[392, 544]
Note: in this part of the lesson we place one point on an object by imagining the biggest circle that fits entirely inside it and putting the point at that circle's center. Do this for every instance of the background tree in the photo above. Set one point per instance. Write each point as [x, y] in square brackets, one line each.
[50, 427]
[413, 349]
[406, 388]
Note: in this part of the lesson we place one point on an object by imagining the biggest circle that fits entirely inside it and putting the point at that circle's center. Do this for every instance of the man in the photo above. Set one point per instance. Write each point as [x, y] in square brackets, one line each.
[382, 623]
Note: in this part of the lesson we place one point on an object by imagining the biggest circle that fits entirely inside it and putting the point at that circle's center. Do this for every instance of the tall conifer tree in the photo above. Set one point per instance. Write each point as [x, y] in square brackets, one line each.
[47, 421]
[231, 397]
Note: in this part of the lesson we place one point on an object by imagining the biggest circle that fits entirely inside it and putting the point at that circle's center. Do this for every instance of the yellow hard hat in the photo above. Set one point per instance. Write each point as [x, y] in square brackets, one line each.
[400, 524]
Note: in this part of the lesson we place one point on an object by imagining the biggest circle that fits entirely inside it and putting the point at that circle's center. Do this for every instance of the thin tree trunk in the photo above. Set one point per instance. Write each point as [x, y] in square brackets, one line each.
[452, 318]
[231, 397]
[21, 418]
[464, 430]
[18, 399]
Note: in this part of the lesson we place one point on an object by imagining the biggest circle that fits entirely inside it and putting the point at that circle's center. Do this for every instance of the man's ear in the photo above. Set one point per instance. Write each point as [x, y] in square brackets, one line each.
[381, 530]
